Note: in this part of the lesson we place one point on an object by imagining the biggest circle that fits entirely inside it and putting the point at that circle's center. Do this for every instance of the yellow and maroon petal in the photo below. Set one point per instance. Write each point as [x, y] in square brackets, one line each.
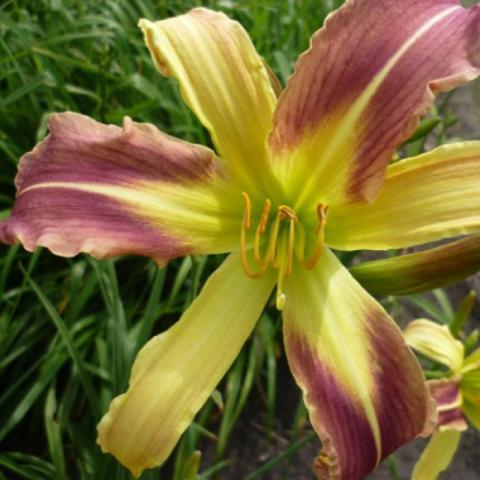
[424, 199]
[176, 371]
[421, 271]
[107, 190]
[358, 92]
[362, 386]
[448, 397]
[224, 81]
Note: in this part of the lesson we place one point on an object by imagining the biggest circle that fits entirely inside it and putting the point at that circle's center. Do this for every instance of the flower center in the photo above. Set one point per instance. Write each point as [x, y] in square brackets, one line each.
[277, 240]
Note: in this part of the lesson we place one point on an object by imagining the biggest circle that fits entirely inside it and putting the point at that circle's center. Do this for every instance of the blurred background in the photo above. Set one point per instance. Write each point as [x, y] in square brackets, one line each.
[70, 328]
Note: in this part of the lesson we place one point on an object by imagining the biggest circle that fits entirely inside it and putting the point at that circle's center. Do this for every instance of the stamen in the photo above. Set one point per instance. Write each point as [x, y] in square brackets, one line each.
[264, 218]
[247, 211]
[261, 230]
[322, 217]
[243, 240]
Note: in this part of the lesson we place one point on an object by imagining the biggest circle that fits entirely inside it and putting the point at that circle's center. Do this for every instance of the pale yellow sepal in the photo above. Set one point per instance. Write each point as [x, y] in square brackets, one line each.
[176, 371]
[435, 342]
[437, 456]
[224, 81]
[424, 198]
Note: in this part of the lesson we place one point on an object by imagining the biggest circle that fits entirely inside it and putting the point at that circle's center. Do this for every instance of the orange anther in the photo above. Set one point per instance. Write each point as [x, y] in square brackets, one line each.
[247, 210]
[262, 226]
[317, 251]
[287, 212]
[264, 217]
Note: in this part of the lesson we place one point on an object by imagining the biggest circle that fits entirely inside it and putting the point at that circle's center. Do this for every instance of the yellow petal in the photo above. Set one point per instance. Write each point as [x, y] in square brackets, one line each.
[176, 371]
[435, 342]
[425, 198]
[223, 80]
[437, 455]
[363, 387]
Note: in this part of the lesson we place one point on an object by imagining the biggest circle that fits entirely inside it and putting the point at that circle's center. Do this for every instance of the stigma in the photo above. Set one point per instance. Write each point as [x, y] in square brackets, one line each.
[279, 238]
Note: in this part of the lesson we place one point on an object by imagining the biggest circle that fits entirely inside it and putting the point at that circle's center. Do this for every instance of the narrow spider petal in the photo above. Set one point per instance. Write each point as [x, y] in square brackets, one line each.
[359, 90]
[362, 385]
[470, 386]
[176, 371]
[425, 198]
[472, 363]
[448, 397]
[223, 80]
[105, 190]
[471, 410]
[437, 456]
[418, 272]
[436, 342]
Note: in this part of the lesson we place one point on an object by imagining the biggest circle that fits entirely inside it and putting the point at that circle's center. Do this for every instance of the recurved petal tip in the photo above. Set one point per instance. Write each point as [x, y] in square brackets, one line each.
[436, 342]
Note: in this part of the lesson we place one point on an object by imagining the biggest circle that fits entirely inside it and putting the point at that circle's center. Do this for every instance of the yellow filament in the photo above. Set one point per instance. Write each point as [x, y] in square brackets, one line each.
[247, 211]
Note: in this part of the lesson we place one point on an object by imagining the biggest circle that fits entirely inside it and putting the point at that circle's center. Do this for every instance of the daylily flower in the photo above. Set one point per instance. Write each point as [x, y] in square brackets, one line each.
[457, 396]
[294, 178]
